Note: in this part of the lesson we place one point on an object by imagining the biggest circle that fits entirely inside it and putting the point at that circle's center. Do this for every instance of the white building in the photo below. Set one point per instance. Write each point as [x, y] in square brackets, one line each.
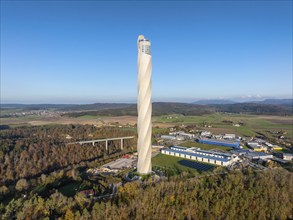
[287, 156]
[183, 134]
[268, 144]
[218, 136]
[256, 146]
[229, 136]
[212, 157]
[168, 137]
[251, 154]
[206, 134]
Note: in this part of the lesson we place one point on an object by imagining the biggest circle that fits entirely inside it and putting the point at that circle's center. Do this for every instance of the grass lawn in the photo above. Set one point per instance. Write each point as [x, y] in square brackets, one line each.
[284, 150]
[175, 163]
[71, 188]
[205, 146]
[159, 130]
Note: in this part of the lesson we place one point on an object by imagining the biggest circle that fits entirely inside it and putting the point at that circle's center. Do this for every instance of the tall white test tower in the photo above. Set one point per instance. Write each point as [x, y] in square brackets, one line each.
[144, 106]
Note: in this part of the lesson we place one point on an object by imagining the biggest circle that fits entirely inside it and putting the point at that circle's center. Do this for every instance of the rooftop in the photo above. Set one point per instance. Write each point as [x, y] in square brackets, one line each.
[211, 155]
[220, 141]
[202, 151]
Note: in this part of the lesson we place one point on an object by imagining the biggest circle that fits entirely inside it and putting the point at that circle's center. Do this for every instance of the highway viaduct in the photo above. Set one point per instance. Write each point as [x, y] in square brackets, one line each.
[106, 140]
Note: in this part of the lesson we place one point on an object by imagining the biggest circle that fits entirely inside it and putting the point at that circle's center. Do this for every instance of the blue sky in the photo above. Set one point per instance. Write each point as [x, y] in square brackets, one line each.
[85, 51]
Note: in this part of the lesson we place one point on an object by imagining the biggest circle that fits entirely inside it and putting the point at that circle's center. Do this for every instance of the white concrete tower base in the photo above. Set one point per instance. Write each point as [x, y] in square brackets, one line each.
[144, 106]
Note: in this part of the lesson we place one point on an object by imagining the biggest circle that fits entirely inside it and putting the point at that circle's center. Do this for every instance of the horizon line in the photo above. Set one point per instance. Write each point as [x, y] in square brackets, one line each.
[247, 100]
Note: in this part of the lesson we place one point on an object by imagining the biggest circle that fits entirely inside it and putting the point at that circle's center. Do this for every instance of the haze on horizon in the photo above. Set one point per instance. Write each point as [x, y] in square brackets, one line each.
[85, 52]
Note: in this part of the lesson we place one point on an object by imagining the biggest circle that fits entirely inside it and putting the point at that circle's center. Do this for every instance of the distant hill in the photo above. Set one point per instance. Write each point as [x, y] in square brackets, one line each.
[165, 108]
[96, 106]
[277, 101]
[34, 106]
[159, 108]
[66, 107]
[255, 108]
[226, 102]
[267, 107]
[214, 102]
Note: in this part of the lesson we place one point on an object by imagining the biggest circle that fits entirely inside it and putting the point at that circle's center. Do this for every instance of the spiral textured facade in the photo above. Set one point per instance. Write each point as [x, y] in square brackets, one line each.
[144, 106]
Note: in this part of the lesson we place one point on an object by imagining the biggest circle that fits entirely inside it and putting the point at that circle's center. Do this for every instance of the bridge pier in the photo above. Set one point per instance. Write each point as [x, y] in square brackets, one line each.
[107, 149]
[121, 144]
[93, 143]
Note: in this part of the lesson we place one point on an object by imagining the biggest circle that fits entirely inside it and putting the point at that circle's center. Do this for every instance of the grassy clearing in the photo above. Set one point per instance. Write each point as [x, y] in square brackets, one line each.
[174, 163]
[284, 150]
[167, 161]
[159, 130]
[189, 119]
[71, 188]
[244, 131]
[205, 146]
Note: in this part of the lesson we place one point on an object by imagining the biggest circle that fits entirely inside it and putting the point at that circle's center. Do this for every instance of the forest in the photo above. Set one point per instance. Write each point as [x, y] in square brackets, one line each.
[274, 107]
[238, 195]
[35, 160]
[27, 154]
[165, 108]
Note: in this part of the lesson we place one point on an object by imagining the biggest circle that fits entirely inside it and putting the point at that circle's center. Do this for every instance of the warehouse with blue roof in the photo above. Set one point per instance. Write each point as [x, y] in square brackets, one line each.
[212, 157]
[233, 144]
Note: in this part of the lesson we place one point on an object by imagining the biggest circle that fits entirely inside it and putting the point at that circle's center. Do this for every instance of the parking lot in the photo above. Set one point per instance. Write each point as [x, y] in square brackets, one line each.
[121, 163]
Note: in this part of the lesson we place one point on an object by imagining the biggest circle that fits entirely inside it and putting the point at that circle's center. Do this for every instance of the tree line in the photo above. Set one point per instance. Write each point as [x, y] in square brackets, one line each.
[165, 108]
[238, 195]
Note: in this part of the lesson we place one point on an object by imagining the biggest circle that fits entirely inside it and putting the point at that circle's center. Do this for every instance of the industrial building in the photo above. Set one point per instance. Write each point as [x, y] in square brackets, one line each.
[252, 154]
[229, 136]
[258, 155]
[256, 146]
[206, 134]
[182, 134]
[240, 152]
[170, 137]
[212, 157]
[273, 147]
[233, 144]
[287, 156]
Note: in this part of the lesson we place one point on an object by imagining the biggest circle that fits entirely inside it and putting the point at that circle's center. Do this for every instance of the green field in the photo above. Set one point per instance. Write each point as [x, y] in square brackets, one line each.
[67, 188]
[212, 118]
[284, 150]
[71, 188]
[172, 163]
[217, 123]
[205, 146]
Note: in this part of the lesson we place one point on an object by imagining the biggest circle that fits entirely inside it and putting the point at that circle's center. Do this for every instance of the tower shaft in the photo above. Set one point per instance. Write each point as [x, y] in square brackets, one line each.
[144, 106]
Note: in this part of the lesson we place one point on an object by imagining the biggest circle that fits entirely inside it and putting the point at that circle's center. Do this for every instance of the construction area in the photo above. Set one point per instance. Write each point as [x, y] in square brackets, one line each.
[127, 161]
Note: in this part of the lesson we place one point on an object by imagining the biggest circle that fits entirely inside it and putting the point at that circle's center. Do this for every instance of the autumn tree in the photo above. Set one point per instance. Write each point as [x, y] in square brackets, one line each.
[21, 185]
